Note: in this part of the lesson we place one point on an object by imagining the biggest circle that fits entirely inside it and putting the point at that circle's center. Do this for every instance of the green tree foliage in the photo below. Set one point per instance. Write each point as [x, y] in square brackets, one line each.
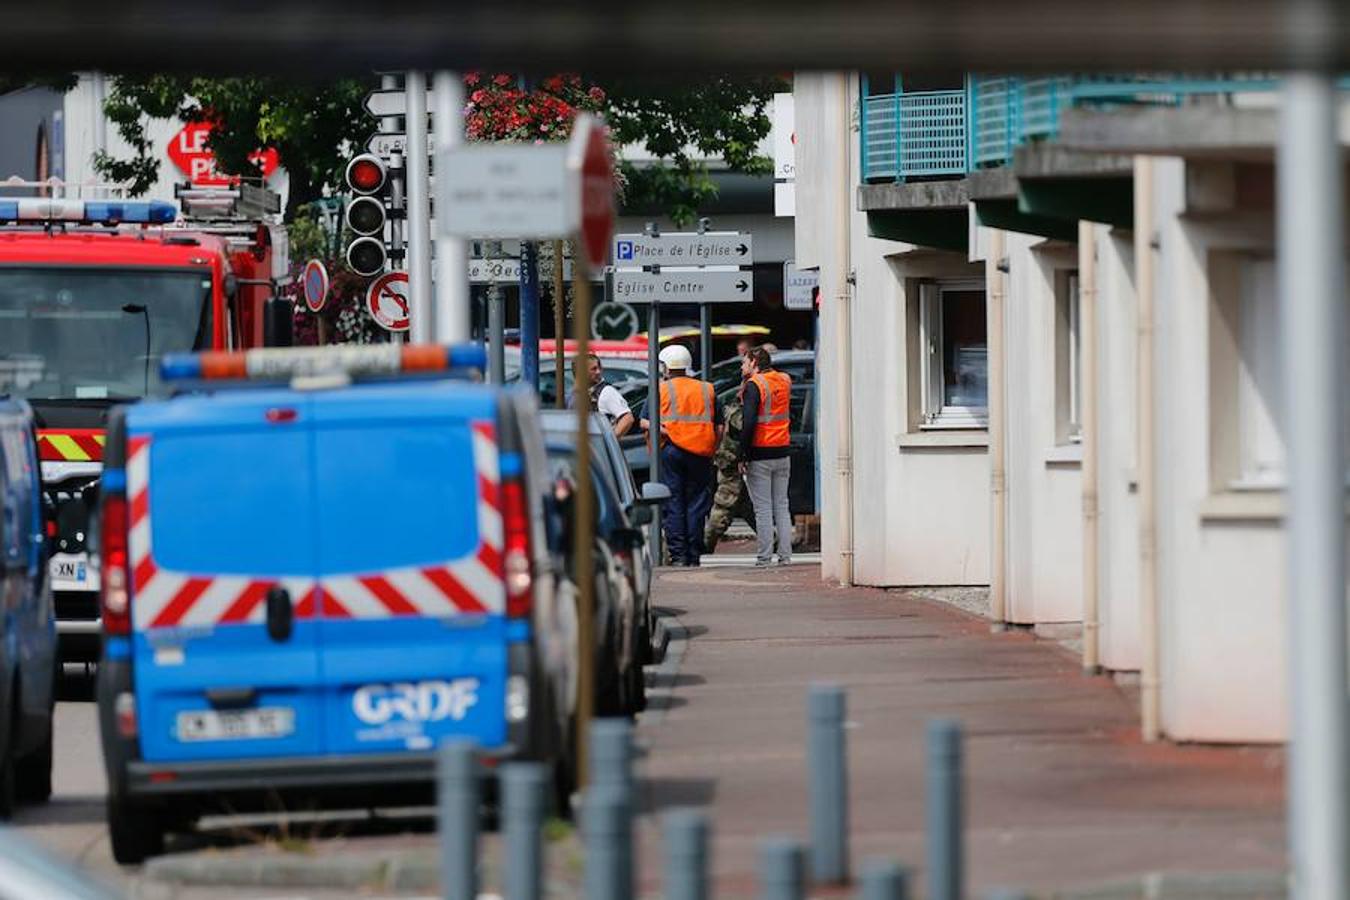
[308, 124]
[314, 126]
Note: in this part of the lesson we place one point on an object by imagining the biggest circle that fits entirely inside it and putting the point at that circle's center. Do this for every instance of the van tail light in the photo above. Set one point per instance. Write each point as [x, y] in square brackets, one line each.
[516, 567]
[116, 593]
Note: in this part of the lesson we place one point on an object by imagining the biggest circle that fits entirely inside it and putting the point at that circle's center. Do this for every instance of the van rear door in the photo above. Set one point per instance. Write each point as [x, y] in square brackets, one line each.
[222, 545]
[414, 637]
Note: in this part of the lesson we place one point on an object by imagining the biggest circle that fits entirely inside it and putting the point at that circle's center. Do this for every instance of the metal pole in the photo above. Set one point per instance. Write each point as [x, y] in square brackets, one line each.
[454, 313]
[612, 754]
[419, 211]
[457, 812]
[826, 763]
[496, 335]
[654, 405]
[583, 524]
[944, 810]
[607, 842]
[1310, 235]
[705, 337]
[559, 326]
[781, 875]
[686, 855]
[529, 313]
[883, 879]
[524, 794]
[397, 211]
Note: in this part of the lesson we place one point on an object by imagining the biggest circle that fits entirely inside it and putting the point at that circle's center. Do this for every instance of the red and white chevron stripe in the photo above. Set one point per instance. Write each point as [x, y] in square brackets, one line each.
[472, 584]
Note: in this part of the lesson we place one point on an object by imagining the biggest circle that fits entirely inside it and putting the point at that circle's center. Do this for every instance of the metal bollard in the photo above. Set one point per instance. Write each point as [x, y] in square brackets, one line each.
[827, 765]
[781, 870]
[611, 754]
[607, 837]
[883, 879]
[524, 797]
[686, 855]
[457, 811]
[945, 858]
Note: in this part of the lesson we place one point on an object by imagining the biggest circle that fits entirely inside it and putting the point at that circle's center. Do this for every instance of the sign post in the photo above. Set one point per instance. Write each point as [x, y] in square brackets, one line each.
[588, 156]
[559, 324]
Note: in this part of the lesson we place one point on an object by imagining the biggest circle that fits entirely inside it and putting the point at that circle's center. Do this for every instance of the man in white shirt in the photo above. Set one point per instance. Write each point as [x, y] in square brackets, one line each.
[606, 399]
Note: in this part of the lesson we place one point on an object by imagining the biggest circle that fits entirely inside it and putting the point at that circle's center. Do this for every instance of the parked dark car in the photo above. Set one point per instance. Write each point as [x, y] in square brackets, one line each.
[28, 657]
[620, 619]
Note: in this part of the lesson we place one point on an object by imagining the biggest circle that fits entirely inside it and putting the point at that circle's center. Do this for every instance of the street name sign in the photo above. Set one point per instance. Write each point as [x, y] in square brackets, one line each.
[507, 270]
[684, 249]
[799, 287]
[684, 286]
[614, 322]
[386, 145]
[506, 191]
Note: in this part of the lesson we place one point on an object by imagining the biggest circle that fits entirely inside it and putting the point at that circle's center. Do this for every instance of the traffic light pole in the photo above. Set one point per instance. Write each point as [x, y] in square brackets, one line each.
[396, 210]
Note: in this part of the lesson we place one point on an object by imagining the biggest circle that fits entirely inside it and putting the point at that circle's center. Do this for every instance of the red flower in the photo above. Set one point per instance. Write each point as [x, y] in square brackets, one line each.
[472, 78]
[478, 96]
[501, 80]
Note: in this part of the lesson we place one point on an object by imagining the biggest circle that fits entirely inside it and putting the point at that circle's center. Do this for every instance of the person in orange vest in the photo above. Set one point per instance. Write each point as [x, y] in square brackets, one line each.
[691, 426]
[766, 397]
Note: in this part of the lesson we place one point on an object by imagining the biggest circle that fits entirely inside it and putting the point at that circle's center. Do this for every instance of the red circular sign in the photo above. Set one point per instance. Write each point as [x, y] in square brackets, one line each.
[597, 196]
[188, 151]
[315, 281]
[387, 301]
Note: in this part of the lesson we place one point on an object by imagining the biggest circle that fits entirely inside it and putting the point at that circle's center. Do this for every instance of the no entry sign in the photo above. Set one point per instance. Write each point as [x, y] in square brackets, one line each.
[387, 301]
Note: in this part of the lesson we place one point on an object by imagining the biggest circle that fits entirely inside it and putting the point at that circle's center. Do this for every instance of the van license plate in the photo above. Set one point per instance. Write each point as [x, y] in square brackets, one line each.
[243, 724]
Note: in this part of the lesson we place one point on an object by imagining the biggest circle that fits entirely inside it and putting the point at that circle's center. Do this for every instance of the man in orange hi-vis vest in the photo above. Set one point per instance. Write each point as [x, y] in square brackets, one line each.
[691, 426]
[765, 449]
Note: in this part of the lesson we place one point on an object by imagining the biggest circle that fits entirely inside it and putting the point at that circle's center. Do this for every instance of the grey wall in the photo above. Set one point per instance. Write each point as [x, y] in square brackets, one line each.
[22, 114]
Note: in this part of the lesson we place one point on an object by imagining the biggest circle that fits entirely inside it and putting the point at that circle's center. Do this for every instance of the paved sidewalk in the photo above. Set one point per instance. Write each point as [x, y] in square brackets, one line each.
[1060, 793]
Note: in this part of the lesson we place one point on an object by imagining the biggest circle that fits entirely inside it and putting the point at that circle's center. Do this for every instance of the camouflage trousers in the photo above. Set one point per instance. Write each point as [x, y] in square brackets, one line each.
[729, 502]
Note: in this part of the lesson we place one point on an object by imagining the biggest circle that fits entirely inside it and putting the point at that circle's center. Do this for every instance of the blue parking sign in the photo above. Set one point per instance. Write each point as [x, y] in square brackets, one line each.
[623, 250]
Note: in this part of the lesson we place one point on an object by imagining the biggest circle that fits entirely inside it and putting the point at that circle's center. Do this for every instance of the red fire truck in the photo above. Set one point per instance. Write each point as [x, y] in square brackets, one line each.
[93, 292]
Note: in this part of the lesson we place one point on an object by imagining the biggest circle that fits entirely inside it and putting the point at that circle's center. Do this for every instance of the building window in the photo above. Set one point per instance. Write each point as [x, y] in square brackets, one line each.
[953, 349]
[1068, 356]
[1260, 446]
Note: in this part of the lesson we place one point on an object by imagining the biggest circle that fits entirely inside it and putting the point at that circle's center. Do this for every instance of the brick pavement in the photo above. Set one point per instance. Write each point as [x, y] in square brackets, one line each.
[1060, 792]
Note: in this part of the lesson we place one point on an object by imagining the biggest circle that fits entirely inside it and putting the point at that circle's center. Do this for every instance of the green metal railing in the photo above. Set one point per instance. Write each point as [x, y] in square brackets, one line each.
[950, 133]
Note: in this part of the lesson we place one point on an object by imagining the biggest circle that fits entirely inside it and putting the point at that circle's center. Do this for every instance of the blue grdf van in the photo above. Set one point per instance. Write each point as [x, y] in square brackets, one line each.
[315, 571]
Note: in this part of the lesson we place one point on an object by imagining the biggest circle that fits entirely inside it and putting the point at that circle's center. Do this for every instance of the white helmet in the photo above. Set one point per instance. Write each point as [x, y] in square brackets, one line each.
[676, 357]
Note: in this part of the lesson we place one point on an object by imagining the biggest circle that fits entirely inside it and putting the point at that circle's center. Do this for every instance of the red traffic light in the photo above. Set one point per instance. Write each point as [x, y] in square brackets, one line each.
[366, 174]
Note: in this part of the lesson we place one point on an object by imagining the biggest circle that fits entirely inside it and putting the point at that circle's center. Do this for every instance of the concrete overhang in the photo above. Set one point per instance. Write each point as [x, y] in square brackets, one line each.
[925, 213]
[1048, 189]
[1221, 133]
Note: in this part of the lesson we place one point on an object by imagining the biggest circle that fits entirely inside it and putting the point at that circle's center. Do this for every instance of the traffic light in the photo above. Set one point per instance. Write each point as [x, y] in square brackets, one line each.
[368, 179]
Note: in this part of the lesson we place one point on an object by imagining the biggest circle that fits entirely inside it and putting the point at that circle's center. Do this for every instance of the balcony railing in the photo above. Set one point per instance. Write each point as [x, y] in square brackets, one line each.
[950, 133]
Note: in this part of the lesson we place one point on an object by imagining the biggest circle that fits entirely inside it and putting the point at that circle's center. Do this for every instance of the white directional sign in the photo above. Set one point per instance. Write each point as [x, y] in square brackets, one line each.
[390, 103]
[684, 249]
[507, 270]
[799, 287]
[506, 191]
[684, 286]
[386, 145]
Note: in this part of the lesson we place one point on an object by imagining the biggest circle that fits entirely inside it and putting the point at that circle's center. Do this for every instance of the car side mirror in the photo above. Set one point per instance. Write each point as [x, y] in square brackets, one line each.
[655, 492]
[278, 316]
[641, 514]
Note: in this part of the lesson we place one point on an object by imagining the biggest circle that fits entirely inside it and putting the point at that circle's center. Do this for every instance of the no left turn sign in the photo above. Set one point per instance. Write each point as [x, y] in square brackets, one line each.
[387, 301]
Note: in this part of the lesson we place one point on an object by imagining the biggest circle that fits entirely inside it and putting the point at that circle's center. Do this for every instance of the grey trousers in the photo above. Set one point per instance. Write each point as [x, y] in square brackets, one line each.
[767, 480]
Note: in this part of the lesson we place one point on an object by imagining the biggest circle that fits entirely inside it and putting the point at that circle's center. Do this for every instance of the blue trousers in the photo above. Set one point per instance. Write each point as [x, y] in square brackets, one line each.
[690, 478]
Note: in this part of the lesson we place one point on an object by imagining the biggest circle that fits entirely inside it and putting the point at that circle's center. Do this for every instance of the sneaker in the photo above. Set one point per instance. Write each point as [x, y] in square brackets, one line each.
[785, 562]
[763, 563]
